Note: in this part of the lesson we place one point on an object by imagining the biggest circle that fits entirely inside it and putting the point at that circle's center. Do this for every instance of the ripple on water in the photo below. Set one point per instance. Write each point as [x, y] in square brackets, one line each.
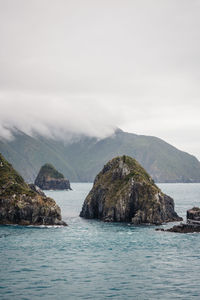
[94, 260]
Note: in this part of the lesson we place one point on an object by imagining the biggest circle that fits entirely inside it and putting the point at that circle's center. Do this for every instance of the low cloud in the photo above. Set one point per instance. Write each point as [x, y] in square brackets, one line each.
[71, 68]
[55, 117]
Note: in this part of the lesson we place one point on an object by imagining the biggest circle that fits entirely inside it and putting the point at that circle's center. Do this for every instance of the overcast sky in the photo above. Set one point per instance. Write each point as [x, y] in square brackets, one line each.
[88, 67]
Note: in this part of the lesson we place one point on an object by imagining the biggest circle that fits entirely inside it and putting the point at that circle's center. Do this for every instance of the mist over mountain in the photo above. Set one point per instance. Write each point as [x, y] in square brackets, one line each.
[82, 158]
[86, 67]
[76, 70]
[55, 117]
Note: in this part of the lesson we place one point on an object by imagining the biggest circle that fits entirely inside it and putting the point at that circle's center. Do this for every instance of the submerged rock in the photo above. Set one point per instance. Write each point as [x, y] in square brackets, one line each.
[124, 192]
[23, 204]
[50, 179]
[192, 224]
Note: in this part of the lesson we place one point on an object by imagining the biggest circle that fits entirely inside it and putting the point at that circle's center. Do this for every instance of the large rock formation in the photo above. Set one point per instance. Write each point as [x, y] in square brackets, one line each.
[192, 224]
[50, 179]
[124, 192]
[23, 204]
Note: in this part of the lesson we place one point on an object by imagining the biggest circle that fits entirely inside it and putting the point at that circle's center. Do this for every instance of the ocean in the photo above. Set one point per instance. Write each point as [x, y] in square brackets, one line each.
[90, 259]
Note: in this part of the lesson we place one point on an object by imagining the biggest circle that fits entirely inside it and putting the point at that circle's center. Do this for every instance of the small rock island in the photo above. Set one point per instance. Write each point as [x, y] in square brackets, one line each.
[192, 224]
[49, 178]
[24, 204]
[124, 192]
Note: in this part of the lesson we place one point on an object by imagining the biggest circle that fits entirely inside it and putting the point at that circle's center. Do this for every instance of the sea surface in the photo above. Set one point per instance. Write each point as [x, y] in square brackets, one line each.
[90, 259]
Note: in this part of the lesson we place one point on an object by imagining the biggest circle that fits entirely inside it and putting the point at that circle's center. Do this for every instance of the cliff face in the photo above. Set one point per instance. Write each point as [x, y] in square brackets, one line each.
[124, 192]
[50, 179]
[23, 204]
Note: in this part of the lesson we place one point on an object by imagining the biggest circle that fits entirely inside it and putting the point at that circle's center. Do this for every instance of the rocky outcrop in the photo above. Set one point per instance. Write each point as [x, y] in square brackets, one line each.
[182, 228]
[192, 225]
[50, 179]
[124, 192]
[193, 215]
[23, 204]
[36, 189]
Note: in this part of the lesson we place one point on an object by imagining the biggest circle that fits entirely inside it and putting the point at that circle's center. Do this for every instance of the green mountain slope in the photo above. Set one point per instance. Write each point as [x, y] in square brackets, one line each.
[83, 159]
[28, 154]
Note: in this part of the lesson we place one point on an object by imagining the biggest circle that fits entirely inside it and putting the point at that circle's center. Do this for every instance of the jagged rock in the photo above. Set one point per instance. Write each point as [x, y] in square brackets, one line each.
[192, 225]
[50, 179]
[23, 204]
[193, 215]
[36, 189]
[124, 192]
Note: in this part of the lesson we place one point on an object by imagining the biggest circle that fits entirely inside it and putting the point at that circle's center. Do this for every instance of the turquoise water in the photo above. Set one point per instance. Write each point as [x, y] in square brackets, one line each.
[95, 260]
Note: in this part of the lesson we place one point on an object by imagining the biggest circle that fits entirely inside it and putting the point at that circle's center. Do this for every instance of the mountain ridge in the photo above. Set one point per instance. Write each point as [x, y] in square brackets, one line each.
[82, 159]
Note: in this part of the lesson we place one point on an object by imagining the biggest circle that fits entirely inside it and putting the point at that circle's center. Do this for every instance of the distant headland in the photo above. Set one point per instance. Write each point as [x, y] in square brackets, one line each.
[80, 160]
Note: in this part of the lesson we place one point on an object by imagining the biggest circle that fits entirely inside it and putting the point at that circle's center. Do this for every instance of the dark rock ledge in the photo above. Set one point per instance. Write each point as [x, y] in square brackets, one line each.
[192, 224]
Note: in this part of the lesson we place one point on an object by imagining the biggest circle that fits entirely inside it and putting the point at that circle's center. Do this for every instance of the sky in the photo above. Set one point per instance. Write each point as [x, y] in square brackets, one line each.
[71, 67]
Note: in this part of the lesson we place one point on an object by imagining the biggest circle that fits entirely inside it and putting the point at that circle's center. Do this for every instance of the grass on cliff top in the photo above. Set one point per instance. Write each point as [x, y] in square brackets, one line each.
[10, 181]
[117, 186]
[137, 172]
[48, 170]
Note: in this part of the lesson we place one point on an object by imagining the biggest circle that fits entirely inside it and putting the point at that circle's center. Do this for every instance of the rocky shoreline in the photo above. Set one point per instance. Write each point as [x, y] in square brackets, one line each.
[192, 225]
[24, 204]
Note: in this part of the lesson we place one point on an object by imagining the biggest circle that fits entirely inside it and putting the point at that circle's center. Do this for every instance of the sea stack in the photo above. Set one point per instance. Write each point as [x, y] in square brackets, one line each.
[124, 192]
[23, 204]
[49, 178]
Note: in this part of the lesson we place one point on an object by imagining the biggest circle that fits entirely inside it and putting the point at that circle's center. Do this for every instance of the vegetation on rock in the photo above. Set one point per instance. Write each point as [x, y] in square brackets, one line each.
[49, 178]
[124, 192]
[23, 204]
[48, 170]
[11, 182]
